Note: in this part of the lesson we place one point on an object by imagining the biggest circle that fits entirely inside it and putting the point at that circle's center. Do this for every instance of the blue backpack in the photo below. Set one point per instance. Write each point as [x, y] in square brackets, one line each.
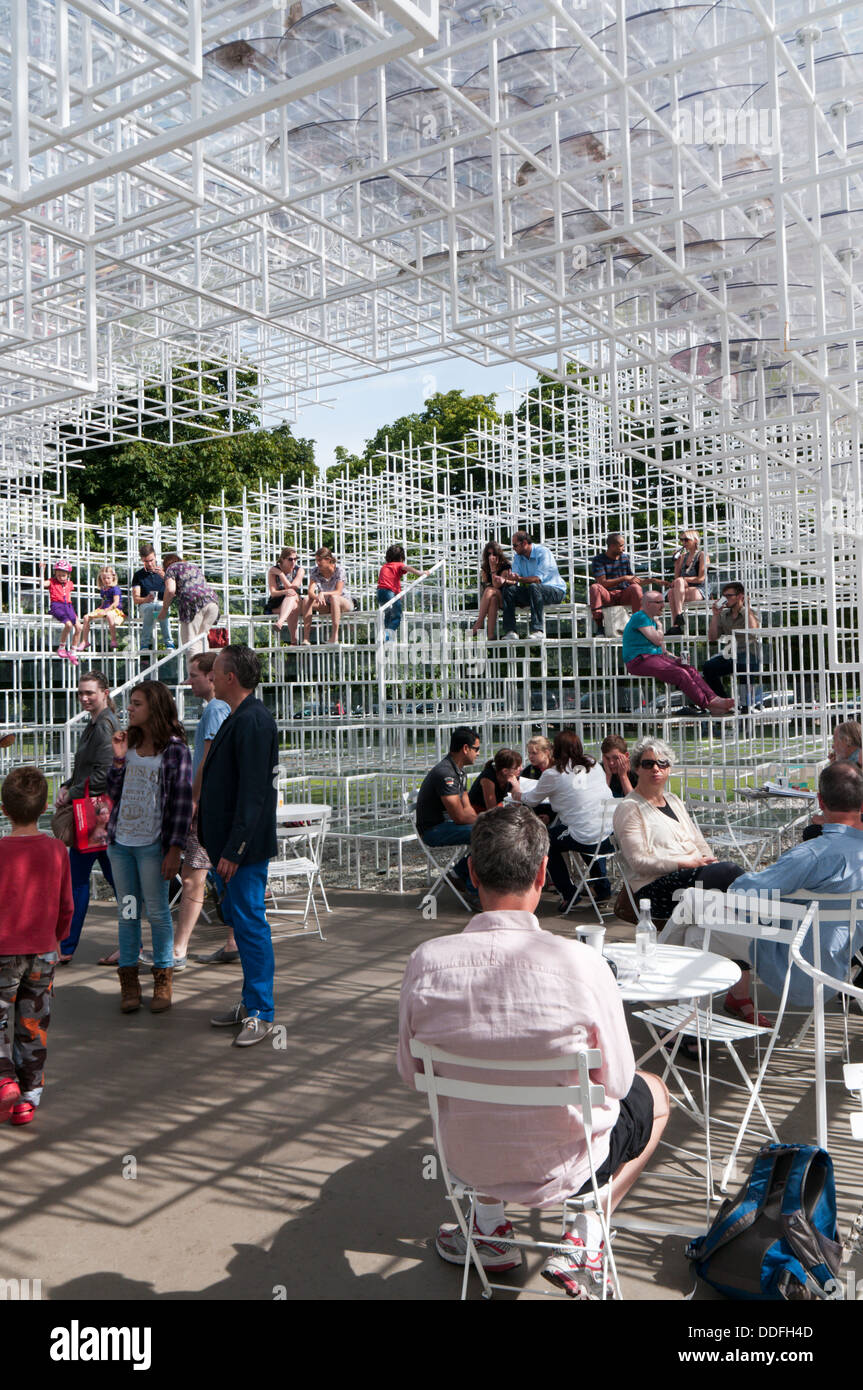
[776, 1239]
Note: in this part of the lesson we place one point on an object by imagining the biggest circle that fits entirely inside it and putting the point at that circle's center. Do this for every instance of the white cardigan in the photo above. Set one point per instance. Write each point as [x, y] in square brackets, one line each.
[652, 844]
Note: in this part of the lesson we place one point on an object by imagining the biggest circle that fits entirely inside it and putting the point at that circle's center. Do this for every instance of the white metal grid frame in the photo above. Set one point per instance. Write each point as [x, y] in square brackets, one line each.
[313, 192]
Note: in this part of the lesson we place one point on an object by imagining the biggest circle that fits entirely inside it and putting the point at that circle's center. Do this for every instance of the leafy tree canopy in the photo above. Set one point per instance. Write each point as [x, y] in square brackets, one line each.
[450, 416]
[190, 476]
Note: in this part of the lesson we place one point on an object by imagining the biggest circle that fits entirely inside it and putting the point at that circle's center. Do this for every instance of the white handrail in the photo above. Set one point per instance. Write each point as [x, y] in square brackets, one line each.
[413, 585]
[75, 719]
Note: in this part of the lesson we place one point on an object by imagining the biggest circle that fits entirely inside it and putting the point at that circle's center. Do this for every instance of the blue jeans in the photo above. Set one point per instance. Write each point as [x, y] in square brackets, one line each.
[148, 613]
[81, 866]
[536, 596]
[448, 833]
[243, 906]
[393, 616]
[139, 887]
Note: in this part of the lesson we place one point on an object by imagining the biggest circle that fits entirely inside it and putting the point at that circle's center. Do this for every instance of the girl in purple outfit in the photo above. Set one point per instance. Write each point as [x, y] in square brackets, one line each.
[60, 589]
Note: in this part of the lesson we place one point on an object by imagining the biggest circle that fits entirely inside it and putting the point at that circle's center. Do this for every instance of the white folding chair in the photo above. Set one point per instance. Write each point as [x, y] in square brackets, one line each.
[583, 869]
[440, 866]
[836, 911]
[292, 865]
[740, 919]
[583, 1095]
[710, 811]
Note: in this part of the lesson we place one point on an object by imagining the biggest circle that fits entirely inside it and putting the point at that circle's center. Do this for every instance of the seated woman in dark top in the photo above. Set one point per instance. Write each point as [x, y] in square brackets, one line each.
[492, 565]
[615, 760]
[495, 780]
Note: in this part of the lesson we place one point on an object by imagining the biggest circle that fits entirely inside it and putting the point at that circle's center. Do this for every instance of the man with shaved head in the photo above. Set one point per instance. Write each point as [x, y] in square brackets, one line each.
[644, 654]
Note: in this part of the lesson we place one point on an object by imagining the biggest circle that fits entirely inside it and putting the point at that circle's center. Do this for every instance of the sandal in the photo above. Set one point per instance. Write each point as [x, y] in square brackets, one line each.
[744, 1009]
[110, 959]
[23, 1113]
[688, 1046]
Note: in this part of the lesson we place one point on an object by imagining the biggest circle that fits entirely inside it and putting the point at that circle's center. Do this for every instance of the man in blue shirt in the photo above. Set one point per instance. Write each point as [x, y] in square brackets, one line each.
[644, 655]
[831, 864]
[533, 581]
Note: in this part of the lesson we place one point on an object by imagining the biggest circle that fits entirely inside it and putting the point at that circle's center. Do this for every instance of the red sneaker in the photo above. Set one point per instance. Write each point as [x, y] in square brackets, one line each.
[10, 1092]
[23, 1113]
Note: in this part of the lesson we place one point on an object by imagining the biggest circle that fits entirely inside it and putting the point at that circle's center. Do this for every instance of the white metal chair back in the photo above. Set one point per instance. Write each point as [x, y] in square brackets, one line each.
[441, 868]
[836, 912]
[583, 1094]
[293, 865]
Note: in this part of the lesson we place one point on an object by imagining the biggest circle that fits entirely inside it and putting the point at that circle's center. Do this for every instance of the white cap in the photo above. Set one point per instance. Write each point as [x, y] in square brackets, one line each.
[644, 903]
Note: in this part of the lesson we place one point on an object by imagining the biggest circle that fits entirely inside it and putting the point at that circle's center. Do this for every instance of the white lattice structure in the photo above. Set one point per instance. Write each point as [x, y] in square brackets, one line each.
[258, 202]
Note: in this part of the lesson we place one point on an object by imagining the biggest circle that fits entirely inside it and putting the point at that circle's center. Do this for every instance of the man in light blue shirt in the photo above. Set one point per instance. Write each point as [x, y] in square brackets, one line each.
[831, 864]
[533, 581]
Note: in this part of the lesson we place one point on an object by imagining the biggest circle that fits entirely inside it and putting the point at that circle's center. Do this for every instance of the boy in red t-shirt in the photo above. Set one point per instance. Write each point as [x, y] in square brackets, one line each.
[35, 912]
[390, 578]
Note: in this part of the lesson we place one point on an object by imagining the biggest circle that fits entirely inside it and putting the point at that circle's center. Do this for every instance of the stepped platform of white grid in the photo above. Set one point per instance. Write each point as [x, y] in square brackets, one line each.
[362, 721]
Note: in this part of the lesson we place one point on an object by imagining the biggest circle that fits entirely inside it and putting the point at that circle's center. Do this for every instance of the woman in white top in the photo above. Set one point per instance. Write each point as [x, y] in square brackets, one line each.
[661, 845]
[575, 788]
[663, 851]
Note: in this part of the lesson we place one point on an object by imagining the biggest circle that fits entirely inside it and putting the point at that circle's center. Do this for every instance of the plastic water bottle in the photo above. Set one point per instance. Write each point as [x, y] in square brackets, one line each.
[645, 936]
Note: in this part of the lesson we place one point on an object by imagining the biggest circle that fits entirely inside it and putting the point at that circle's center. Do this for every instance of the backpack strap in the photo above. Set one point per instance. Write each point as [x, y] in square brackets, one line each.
[817, 1252]
[740, 1212]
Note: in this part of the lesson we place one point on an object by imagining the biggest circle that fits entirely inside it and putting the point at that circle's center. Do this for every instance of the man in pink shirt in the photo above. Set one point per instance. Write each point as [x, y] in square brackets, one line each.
[504, 988]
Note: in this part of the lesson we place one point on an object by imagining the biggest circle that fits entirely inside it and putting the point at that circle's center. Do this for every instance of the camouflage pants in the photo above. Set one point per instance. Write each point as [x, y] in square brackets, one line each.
[26, 987]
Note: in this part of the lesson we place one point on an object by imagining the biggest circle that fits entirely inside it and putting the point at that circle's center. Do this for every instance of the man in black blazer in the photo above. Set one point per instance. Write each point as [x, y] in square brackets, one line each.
[237, 827]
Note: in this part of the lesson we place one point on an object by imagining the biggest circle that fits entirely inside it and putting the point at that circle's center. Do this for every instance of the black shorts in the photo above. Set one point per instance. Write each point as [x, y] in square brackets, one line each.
[631, 1133]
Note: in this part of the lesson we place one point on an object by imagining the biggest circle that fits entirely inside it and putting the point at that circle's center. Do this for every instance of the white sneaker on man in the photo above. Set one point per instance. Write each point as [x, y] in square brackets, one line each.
[511, 637]
[494, 1250]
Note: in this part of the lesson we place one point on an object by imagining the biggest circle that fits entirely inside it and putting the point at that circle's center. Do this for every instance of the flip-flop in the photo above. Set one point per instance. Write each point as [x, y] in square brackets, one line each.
[113, 958]
[221, 957]
[22, 1113]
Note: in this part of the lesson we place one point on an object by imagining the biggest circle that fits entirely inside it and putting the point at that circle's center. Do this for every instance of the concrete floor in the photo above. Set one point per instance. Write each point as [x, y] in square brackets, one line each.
[165, 1163]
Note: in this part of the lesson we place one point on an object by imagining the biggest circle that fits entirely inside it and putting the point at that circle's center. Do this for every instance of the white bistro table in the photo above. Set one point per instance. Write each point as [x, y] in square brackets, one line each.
[678, 974]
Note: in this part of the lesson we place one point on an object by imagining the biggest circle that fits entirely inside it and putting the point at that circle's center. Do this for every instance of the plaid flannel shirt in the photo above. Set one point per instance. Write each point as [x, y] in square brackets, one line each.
[176, 785]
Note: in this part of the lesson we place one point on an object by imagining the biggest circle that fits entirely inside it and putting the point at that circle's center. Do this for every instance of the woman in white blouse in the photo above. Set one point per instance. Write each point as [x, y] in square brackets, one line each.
[661, 845]
[575, 788]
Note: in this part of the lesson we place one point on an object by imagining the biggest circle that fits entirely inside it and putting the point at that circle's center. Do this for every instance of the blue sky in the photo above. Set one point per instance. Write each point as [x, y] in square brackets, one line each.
[362, 407]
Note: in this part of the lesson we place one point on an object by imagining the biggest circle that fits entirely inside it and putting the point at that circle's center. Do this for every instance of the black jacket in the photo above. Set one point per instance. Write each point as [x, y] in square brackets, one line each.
[93, 756]
[237, 812]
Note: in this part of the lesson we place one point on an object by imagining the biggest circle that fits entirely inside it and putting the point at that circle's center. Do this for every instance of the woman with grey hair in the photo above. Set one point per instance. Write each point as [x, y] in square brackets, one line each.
[661, 845]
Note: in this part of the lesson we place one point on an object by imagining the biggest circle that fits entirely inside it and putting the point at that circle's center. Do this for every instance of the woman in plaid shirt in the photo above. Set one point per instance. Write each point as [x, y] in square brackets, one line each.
[150, 783]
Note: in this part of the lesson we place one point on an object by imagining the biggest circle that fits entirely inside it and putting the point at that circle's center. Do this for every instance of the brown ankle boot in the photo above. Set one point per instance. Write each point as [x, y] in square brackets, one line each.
[161, 990]
[131, 988]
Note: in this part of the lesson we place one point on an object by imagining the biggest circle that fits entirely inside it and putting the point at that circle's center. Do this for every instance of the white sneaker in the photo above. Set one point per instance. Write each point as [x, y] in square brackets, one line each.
[511, 637]
[494, 1250]
[538, 636]
[576, 1266]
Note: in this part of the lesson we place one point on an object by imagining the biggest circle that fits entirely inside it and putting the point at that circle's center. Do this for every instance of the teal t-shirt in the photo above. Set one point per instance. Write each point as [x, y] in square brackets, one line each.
[634, 641]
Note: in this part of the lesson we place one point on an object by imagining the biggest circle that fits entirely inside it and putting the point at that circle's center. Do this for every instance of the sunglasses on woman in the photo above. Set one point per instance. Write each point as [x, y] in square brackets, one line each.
[654, 762]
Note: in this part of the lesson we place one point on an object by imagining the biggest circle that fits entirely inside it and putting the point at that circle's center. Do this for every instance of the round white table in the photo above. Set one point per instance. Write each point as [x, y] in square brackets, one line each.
[674, 972]
[301, 810]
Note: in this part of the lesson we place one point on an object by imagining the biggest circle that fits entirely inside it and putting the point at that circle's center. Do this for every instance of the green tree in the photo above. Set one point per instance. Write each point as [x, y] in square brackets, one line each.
[448, 416]
[190, 474]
